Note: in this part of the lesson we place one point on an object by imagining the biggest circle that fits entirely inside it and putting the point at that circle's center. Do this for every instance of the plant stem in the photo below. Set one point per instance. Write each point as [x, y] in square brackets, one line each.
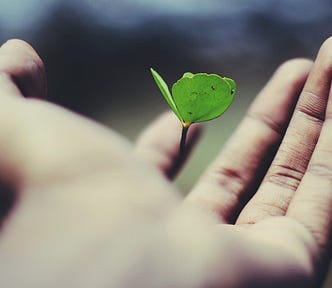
[182, 152]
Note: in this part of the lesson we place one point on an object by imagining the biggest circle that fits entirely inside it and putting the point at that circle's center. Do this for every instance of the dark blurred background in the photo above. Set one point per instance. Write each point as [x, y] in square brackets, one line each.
[98, 53]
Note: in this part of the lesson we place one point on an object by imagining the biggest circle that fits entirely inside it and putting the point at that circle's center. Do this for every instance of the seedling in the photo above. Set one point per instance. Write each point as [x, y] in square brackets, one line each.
[197, 98]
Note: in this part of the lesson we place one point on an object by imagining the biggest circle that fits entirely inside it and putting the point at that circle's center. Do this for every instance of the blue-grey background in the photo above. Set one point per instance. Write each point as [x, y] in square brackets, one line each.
[97, 53]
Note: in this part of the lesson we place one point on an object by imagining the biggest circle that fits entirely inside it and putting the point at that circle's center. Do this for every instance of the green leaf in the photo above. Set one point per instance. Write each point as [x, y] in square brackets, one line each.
[165, 92]
[202, 97]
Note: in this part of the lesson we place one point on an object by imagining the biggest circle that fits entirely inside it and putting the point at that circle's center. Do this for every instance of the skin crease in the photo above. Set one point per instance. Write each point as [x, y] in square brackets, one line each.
[92, 210]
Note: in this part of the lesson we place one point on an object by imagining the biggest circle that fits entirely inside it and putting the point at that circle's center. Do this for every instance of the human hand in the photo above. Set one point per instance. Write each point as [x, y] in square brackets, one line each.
[272, 182]
[81, 208]
[90, 213]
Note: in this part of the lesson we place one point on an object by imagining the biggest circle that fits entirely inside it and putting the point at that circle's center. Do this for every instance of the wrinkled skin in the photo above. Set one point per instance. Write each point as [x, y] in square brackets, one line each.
[92, 210]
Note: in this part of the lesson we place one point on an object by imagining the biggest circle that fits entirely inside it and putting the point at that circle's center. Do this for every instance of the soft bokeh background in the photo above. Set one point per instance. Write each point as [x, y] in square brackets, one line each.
[98, 52]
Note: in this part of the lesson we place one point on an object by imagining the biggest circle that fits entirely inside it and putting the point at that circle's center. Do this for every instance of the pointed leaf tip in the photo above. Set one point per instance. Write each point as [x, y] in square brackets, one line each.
[165, 92]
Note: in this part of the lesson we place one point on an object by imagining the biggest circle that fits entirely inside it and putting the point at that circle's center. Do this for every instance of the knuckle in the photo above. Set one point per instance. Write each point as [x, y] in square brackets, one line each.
[285, 176]
[231, 180]
[309, 112]
[272, 207]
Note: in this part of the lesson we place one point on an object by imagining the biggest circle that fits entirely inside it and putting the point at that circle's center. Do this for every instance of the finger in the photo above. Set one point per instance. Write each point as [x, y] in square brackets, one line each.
[159, 143]
[312, 203]
[290, 163]
[236, 173]
[21, 70]
[40, 141]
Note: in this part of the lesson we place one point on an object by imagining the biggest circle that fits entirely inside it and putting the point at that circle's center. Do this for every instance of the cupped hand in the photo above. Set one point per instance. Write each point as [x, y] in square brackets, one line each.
[88, 209]
[272, 181]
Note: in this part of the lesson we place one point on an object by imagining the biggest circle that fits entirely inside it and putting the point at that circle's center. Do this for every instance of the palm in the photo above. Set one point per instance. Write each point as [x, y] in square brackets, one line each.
[275, 171]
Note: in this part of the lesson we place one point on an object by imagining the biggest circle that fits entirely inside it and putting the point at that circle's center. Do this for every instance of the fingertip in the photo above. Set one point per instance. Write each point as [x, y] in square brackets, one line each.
[326, 47]
[20, 61]
[24, 47]
[293, 72]
[17, 43]
[324, 57]
[296, 63]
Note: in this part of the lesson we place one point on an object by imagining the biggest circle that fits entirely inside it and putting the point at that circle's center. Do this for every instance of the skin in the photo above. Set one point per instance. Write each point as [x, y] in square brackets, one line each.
[89, 209]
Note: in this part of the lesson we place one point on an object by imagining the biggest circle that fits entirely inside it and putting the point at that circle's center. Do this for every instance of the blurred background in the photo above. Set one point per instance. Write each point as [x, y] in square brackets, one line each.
[98, 53]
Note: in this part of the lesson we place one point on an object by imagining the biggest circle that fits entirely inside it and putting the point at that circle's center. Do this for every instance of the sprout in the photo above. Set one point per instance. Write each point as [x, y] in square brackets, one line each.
[197, 98]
